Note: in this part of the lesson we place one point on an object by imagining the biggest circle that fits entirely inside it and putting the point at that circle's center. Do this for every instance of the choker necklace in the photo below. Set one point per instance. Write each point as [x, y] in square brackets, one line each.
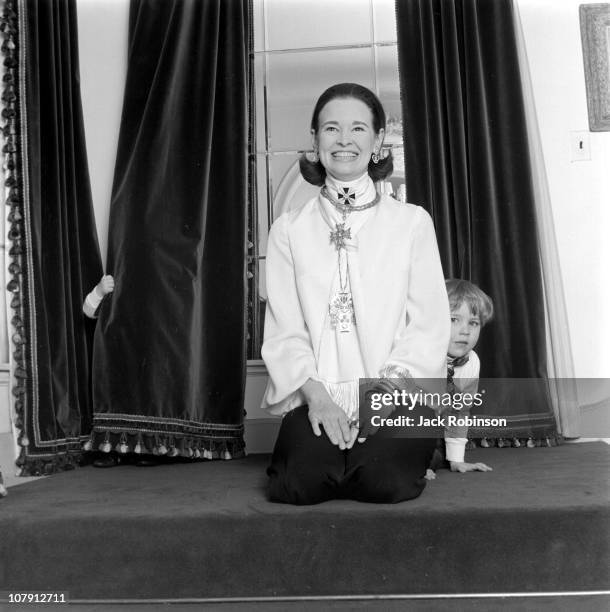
[341, 306]
[342, 233]
[348, 195]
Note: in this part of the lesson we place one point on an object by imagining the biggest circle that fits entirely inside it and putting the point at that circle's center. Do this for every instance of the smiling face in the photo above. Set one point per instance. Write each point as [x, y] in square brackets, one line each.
[346, 138]
[465, 330]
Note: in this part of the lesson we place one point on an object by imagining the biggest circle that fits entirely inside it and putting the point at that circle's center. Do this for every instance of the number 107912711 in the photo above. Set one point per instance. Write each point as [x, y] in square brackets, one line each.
[34, 597]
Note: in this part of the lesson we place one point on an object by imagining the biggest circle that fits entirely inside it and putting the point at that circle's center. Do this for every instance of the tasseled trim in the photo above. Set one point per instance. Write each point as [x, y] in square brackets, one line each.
[515, 442]
[122, 446]
[174, 445]
[105, 446]
[138, 449]
[68, 459]
[13, 188]
[346, 395]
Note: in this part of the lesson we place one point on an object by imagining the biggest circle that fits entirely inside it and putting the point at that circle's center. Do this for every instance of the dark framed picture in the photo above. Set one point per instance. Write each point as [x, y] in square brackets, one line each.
[595, 34]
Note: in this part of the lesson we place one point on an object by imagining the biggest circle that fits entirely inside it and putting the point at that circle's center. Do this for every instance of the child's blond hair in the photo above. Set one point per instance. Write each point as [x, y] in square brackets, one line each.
[461, 291]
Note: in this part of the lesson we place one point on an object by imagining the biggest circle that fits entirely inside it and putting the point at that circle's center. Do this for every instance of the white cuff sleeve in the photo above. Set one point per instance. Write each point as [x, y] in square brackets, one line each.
[91, 304]
[455, 449]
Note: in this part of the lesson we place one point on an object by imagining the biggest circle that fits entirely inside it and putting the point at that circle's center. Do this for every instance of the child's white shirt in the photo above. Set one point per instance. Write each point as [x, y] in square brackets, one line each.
[466, 380]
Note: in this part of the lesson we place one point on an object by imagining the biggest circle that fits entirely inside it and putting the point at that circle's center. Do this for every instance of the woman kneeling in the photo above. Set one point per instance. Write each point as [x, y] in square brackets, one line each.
[355, 290]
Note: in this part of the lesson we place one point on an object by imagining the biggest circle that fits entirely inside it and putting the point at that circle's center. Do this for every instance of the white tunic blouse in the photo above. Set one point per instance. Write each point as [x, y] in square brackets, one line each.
[397, 286]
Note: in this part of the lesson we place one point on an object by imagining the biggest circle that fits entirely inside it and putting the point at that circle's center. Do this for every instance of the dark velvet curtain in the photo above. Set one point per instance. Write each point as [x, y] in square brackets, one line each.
[467, 163]
[53, 251]
[169, 362]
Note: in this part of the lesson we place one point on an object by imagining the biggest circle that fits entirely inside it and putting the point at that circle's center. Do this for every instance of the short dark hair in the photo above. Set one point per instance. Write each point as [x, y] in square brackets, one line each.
[464, 292]
[314, 172]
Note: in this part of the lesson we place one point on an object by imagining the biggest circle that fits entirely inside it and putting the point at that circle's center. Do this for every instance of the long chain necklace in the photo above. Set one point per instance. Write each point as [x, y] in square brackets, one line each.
[341, 306]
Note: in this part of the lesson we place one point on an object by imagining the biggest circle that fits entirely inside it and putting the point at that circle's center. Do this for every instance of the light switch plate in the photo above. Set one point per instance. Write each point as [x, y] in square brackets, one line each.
[580, 146]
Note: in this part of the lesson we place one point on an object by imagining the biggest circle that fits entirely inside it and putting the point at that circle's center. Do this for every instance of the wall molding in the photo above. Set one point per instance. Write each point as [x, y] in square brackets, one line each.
[5, 399]
[256, 367]
[260, 434]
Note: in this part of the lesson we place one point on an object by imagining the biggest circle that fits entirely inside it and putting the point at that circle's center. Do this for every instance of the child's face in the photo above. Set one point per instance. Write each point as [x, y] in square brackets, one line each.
[465, 330]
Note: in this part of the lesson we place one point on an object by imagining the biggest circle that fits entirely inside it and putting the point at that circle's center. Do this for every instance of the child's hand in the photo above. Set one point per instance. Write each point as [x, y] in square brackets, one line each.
[105, 286]
[430, 474]
[463, 467]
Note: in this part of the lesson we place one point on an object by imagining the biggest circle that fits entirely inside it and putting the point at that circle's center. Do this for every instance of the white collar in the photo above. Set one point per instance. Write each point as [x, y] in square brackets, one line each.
[363, 188]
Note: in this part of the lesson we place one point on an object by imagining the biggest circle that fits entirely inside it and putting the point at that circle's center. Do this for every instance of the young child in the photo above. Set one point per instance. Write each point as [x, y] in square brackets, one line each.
[471, 309]
[91, 307]
[94, 299]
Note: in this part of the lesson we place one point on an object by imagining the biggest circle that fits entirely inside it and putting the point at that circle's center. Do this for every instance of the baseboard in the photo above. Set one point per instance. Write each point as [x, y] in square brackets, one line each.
[595, 419]
[601, 405]
[260, 434]
[5, 411]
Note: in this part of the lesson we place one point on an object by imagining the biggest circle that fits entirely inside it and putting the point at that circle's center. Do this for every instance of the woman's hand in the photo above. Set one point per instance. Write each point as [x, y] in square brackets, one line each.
[462, 467]
[323, 411]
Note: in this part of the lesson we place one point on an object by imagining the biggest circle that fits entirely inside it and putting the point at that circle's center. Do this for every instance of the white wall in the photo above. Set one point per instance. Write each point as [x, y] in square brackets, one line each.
[580, 194]
[580, 191]
[102, 41]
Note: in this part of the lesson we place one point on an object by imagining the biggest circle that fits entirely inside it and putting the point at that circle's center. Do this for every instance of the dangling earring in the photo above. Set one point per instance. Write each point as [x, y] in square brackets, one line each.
[312, 156]
[375, 157]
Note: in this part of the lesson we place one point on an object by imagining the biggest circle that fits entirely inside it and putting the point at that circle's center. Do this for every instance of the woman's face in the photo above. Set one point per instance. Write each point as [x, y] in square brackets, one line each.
[346, 138]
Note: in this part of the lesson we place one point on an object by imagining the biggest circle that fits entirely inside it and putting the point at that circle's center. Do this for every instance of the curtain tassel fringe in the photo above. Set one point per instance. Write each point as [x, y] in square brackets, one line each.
[122, 446]
[105, 446]
[515, 442]
[137, 449]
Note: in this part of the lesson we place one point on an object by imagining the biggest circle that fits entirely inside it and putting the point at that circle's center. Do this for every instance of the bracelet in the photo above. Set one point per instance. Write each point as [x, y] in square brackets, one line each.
[394, 371]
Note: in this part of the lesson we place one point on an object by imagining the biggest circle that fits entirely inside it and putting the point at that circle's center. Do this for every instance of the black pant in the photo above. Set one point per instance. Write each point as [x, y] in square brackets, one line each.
[307, 469]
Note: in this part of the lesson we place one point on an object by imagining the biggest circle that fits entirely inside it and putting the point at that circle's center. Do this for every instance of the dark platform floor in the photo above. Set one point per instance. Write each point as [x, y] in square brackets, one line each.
[538, 523]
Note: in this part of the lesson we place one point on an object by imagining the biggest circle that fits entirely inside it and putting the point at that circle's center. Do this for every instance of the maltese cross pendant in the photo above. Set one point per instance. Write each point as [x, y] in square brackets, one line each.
[341, 311]
[340, 235]
[346, 196]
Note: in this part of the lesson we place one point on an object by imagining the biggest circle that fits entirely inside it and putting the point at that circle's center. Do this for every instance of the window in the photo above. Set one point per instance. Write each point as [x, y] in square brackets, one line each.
[301, 47]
